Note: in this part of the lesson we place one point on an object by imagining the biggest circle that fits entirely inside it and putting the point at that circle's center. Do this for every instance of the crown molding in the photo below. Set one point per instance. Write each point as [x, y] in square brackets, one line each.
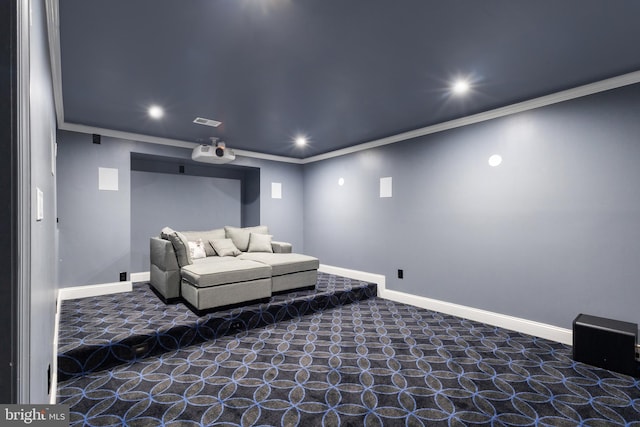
[543, 101]
[53, 27]
[53, 31]
[166, 141]
[126, 135]
[566, 95]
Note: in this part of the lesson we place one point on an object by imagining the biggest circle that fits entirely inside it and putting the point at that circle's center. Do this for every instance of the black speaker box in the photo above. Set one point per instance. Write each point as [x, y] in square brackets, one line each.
[606, 343]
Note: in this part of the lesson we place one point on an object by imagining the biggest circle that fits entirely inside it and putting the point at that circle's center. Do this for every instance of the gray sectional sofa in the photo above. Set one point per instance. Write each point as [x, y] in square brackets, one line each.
[226, 266]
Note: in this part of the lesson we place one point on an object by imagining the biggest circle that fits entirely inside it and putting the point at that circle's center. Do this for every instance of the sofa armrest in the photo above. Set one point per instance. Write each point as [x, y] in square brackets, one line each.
[164, 268]
[162, 254]
[281, 247]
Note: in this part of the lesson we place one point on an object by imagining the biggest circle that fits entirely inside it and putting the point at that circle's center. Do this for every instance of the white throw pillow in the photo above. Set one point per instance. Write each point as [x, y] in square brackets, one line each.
[260, 242]
[205, 236]
[197, 250]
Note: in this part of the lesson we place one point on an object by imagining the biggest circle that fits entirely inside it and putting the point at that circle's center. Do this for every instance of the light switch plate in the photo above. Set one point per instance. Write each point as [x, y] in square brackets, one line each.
[39, 205]
[386, 186]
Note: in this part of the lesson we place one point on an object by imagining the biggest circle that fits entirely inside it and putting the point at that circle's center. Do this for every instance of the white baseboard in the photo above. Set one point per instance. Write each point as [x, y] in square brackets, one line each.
[94, 290]
[143, 276]
[525, 326]
[517, 324]
[378, 279]
[75, 292]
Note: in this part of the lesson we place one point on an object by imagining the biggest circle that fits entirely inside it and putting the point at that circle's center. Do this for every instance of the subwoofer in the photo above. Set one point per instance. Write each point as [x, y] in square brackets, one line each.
[606, 343]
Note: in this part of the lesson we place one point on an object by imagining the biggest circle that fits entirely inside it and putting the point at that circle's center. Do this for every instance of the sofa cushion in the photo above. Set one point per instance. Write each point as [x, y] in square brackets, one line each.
[214, 271]
[180, 245]
[206, 237]
[281, 247]
[225, 247]
[240, 236]
[259, 243]
[283, 263]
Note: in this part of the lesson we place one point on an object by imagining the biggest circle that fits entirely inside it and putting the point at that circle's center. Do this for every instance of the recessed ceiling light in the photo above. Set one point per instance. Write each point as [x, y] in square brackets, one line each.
[301, 141]
[461, 87]
[156, 112]
[495, 160]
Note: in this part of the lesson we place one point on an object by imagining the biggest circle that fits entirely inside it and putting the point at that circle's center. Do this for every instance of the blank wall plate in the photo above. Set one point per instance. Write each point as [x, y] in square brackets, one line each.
[386, 187]
[276, 190]
[108, 179]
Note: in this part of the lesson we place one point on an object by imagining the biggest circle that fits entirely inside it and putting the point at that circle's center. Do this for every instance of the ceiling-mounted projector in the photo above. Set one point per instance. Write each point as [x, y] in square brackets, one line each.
[216, 153]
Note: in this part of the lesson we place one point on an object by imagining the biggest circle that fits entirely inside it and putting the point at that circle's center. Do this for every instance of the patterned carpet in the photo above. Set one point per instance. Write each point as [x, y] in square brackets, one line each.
[102, 332]
[373, 363]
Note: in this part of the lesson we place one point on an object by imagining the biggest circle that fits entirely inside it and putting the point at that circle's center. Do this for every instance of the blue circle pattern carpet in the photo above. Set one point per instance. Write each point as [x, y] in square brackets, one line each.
[101, 332]
[368, 363]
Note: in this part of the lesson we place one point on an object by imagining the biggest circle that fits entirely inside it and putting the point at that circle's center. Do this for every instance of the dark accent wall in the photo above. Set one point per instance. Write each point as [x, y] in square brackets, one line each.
[251, 197]
[8, 191]
[552, 232]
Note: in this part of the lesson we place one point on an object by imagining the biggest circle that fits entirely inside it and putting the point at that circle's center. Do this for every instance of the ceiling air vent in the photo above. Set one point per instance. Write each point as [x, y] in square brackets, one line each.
[207, 122]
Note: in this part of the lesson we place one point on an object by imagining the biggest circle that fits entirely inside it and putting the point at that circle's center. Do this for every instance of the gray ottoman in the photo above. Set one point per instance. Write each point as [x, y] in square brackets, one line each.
[288, 271]
[224, 281]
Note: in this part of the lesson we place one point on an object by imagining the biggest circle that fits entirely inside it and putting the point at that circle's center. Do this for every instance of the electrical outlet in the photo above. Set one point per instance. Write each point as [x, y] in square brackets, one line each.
[123, 276]
[400, 274]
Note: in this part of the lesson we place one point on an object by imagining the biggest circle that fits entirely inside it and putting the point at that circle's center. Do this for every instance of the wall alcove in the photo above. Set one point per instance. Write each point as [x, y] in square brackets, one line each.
[187, 195]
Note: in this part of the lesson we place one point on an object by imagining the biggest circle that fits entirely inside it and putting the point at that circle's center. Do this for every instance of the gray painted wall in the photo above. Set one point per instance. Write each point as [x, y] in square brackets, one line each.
[186, 202]
[552, 232]
[284, 216]
[95, 226]
[43, 233]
